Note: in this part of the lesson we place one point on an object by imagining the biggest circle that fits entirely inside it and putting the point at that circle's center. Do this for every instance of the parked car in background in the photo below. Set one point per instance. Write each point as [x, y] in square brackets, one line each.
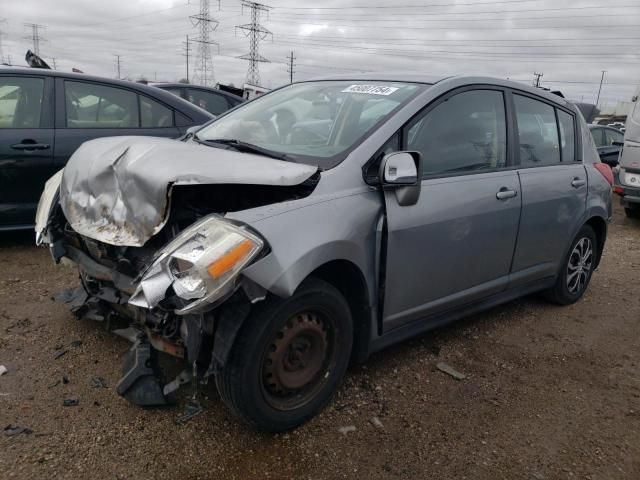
[212, 100]
[45, 115]
[609, 141]
[274, 252]
[627, 175]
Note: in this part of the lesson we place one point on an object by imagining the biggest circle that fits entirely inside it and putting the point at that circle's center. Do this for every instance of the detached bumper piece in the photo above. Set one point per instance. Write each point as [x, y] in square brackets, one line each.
[140, 383]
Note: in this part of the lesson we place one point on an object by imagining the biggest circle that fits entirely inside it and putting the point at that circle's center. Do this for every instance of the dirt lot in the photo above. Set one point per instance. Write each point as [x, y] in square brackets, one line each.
[550, 393]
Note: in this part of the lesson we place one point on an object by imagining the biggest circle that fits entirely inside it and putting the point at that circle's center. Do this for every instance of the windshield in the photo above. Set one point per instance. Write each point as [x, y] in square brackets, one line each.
[314, 122]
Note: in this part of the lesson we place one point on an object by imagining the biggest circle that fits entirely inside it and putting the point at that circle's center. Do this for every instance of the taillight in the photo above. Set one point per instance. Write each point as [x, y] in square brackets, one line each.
[618, 190]
[606, 172]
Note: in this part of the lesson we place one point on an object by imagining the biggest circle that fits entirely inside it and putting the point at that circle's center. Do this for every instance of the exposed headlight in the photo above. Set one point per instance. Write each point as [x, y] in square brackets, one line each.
[200, 264]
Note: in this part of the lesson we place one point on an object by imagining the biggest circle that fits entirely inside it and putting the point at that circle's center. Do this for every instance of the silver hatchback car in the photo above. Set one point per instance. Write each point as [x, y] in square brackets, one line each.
[322, 222]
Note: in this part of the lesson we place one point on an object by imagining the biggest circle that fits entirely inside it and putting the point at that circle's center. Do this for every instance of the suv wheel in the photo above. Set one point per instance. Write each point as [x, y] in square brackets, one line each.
[577, 269]
[288, 358]
[632, 212]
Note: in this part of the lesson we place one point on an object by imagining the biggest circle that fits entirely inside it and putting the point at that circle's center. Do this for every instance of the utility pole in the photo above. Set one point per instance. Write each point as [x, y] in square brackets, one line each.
[600, 87]
[118, 63]
[2, 22]
[53, 61]
[35, 36]
[255, 32]
[536, 81]
[291, 58]
[186, 54]
[204, 64]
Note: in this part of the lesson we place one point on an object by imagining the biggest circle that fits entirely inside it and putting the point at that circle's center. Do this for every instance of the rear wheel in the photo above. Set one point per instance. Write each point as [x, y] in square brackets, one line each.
[289, 358]
[632, 212]
[577, 269]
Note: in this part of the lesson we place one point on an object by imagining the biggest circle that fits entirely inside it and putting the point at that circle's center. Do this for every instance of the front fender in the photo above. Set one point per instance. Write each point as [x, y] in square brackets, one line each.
[301, 240]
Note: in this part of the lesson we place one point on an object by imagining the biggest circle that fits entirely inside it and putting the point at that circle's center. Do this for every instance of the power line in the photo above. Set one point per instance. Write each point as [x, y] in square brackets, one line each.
[204, 74]
[359, 14]
[376, 7]
[35, 36]
[255, 32]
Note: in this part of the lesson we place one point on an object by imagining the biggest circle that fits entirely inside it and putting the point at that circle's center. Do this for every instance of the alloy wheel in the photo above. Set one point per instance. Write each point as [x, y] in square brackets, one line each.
[579, 265]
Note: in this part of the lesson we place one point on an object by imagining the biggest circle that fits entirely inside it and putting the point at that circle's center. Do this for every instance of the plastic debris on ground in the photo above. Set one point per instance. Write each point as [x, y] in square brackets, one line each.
[449, 370]
[192, 409]
[11, 430]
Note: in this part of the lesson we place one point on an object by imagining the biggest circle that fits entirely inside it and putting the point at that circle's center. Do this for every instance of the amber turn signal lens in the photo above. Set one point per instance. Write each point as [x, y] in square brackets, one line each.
[229, 259]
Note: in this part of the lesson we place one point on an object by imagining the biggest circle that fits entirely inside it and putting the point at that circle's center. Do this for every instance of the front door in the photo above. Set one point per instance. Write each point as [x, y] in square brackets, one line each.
[456, 244]
[26, 147]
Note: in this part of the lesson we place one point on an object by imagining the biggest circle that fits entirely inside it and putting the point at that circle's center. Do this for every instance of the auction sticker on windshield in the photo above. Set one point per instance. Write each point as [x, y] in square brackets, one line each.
[370, 89]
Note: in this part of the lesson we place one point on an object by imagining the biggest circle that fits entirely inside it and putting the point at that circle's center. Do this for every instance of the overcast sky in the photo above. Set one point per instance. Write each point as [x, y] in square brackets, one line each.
[569, 41]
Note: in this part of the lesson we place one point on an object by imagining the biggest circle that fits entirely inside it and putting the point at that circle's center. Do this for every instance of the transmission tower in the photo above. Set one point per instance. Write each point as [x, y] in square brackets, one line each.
[290, 66]
[35, 36]
[255, 32]
[536, 81]
[203, 74]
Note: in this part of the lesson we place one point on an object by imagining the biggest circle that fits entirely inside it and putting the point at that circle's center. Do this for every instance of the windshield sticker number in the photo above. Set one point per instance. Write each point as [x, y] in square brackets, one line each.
[370, 89]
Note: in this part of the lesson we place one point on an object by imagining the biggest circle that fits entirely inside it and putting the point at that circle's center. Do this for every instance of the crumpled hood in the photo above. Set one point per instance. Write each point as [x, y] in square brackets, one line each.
[117, 189]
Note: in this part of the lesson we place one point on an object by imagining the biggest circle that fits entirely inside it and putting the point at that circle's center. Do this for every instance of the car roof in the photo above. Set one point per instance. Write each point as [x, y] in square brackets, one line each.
[198, 114]
[200, 87]
[454, 80]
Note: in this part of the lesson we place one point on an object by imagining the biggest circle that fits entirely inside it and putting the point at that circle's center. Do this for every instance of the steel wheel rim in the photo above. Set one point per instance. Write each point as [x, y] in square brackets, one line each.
[579, 265]
[297, 361]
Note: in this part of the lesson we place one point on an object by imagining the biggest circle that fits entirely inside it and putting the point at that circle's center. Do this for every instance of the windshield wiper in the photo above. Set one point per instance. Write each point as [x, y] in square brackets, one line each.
[241, 146]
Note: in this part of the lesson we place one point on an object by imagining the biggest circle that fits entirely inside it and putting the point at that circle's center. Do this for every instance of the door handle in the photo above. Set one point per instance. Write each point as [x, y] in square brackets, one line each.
[577, 183]
[505, 193]
[30, 146]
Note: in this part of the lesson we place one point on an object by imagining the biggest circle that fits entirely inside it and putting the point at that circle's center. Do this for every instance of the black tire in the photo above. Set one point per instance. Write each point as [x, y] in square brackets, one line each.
[632, 212]
[565, 291]
[318, 318]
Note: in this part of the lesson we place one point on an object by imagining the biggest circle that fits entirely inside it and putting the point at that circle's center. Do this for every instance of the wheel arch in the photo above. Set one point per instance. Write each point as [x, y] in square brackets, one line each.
[349, 279]
[599, 226]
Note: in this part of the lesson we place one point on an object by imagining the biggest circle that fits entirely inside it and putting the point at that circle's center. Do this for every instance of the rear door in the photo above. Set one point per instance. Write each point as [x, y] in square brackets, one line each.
[26, 146]
[87, 110]
[456, 244]
[554, 187]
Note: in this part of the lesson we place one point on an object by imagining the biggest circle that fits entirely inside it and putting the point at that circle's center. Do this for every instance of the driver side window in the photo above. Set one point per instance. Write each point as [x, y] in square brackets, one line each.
[466, 132]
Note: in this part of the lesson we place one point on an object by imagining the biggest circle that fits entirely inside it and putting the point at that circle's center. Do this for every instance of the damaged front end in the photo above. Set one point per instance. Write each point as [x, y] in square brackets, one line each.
[173, 281]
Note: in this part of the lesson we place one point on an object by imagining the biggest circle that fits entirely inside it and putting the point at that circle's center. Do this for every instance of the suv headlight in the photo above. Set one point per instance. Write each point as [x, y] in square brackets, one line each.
[201, 264]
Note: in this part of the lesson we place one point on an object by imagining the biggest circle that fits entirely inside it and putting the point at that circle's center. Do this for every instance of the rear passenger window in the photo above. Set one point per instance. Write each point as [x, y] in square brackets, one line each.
[613, 136]
[212, 103]
[90, 105]
[567, 136]
[464, 133]
[20, 102]
[537, 132]
[154, 115]
[598, 136]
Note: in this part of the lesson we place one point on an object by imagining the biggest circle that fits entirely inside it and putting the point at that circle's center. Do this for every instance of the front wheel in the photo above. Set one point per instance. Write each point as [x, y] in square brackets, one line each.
[577, 269]
[288, 358]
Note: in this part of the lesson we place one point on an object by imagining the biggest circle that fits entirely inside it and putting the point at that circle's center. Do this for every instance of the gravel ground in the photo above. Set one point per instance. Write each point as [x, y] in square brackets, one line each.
[550, 393]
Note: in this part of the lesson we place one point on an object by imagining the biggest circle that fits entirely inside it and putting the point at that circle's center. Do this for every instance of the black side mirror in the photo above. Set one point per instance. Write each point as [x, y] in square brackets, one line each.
[403, 172]
[617, 144]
